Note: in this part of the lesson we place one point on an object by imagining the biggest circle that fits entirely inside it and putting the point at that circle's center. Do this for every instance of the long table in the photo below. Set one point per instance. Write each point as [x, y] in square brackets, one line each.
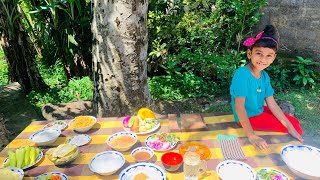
[225, 125]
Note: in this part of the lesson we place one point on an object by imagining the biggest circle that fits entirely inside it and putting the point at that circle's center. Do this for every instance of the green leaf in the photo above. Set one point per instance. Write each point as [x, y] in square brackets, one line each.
[296, 78]
[72, 40]
[305, 81]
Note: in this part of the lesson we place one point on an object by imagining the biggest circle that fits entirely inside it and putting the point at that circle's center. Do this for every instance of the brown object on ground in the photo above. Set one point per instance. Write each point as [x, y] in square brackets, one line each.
[189, 122]
[66, 110]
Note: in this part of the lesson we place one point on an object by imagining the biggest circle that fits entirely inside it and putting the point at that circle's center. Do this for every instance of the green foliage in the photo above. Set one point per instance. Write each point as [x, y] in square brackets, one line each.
[189, 39]
[179, 87]
[83, 86]
[279, 75]
[62, 29]
[61, 91]
[53, 75]
[202, 26]
[3, 69]
[304, 76]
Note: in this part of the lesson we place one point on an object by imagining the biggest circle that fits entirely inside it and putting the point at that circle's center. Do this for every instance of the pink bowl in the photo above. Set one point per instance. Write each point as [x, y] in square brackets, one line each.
[171, 161]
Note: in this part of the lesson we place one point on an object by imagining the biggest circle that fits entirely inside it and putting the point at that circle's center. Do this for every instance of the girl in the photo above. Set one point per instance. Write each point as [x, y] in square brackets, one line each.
[251, 86]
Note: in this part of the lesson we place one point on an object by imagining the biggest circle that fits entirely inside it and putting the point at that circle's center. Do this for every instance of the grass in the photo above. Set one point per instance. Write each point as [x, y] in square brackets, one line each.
[3, 69]
[306, 103]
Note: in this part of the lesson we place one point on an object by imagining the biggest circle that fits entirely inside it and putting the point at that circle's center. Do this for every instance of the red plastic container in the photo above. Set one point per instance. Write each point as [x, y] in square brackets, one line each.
[171, 161]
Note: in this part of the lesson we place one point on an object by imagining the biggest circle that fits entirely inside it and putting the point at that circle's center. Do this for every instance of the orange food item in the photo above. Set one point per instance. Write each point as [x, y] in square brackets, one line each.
[141, 176]
[200, 149]
[55, 177]
[135, 125]
[122, 141]
[144, 113]
[142, 155]
[82, 121]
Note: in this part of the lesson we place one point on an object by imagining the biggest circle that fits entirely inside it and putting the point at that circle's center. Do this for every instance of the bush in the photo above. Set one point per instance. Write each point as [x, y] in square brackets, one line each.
[180, 87]
[3, 69]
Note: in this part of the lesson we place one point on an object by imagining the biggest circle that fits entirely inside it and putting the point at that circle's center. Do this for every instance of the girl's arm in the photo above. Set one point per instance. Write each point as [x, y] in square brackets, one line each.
[277, 112]
[244, 120]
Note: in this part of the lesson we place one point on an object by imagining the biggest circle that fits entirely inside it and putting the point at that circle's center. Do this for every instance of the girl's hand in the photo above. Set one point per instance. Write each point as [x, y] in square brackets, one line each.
[295, 134]
[258, 142]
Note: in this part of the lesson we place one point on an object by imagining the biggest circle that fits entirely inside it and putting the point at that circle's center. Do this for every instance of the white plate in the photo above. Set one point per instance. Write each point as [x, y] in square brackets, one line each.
[17, 171]
[56, 124]
[45, 137]
[40, 156]
[107, 162]
[302, 158]
[149, 169]
[146, 132]
[283, 176]
[148, 144]
[230, 170]
[63, 176]
[79, 140]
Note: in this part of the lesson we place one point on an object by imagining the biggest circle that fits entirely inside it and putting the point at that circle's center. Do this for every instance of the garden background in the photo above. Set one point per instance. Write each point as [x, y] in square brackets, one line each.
[194, 49]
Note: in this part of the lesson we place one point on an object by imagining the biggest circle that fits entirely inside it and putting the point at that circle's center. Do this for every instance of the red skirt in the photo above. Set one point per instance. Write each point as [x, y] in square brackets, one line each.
[268, 122]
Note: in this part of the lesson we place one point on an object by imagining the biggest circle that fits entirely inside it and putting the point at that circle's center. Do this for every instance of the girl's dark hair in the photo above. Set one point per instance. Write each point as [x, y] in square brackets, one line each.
[267, 39]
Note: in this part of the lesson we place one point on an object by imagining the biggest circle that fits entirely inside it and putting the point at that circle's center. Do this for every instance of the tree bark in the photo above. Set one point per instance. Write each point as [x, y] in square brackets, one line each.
[19, 51]
[119, 57]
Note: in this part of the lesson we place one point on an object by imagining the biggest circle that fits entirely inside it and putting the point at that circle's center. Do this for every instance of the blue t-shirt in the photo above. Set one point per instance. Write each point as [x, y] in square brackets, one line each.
[254, 90]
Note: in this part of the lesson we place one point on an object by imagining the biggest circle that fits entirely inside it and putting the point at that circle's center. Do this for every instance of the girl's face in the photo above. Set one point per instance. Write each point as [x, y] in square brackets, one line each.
[261, 57]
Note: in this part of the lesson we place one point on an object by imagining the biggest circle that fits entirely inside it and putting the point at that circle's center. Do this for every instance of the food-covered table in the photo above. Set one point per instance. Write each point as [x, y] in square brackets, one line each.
[104, 127]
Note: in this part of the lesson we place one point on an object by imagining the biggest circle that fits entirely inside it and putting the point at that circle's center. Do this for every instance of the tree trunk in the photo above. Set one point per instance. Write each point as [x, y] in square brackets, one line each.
[18, 50]
[119, 57]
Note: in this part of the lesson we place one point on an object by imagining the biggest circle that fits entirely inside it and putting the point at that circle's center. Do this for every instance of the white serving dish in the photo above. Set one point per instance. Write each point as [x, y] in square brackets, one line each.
[139, 149]
[63, 176]
[56, 125]
[172, 145]
[107, 162]
[149, 169]
[18, 171]
[122, 134]
[302, 160]
[145, 132]
[45, 137]
[231, 170]
[79, 140]
[83, 129]
[40, 156]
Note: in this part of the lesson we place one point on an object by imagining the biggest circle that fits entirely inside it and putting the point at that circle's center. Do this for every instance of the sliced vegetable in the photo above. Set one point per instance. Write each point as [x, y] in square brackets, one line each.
[12, 158]
[32, 155]
[163, 141]
[144, 113]
[131, 120]
[20, 157]
[125, 121]
[27, 156]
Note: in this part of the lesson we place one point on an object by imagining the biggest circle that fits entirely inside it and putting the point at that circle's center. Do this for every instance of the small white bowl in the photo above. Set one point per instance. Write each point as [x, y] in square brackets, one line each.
[231, 169]
[17, 171]
[83, 129]
[302, 160]
[118, 134]
[45, 137]
[107, 163]
[142, 149]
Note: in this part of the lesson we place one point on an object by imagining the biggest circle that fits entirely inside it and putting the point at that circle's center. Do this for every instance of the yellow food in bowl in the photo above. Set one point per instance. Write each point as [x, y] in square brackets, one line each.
[83, 121]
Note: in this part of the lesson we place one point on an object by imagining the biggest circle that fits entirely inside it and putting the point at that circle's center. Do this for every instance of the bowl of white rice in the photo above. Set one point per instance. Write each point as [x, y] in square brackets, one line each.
[45, 137]
[302, 160]
[107, 162]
